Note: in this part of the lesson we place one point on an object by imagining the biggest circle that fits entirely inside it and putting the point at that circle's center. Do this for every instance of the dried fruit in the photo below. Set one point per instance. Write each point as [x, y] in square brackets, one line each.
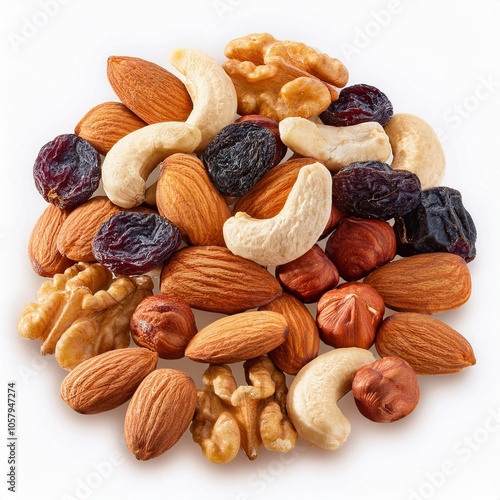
[107, 380]
[164, 325]
[358, 246]
[213, 279]
[309, 276]
[229, 416]
[43, 253]
[302, 342]
[238, 156]
[386, 390]
[439, 223]
[67, 171]
[238, 337]
[373, 190]
[358, 104]
[134, 243]
[159, 413]
[426, 283]
[429, 345]
[349, 315]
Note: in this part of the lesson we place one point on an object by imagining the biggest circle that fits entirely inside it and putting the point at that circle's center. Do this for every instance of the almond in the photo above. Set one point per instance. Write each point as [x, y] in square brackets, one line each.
[430, 346]
[159, 412]
[238, 337]
[43, 252]
[80, 227]
[150, 91]
[213, 279]
[186, 197]
[426, 283]
[107, 380]
[106, 123]
[267, 198]
[302, 343]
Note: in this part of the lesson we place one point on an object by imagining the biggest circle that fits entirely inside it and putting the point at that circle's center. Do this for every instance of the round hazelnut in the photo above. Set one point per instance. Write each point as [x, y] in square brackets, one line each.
[386, 390]
[349, 315]
[163, 324]
[359, 246]
[309, 276]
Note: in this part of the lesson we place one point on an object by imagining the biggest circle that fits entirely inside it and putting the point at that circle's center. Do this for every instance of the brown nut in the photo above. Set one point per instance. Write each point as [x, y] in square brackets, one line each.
[163, 324]
[309, 276]
[359, 246]
[386, 390]
[348, 316]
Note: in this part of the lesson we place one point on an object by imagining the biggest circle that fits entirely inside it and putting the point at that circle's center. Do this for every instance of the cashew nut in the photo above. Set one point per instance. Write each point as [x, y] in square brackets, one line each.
[335, 147]
[313, 395]
[416, 148]
[211, 90]
[293, 231]
[129, 162]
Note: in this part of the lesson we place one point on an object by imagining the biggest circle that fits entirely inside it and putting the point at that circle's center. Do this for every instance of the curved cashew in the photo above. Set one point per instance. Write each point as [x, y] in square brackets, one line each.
[313, 395]
[130, 161]
[416, 147]
[293, 231]
[211, 90]
[335, 147]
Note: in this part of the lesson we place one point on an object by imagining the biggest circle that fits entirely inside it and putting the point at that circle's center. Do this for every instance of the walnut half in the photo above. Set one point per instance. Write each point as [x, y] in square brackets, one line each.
[228, 417]
[83, 312]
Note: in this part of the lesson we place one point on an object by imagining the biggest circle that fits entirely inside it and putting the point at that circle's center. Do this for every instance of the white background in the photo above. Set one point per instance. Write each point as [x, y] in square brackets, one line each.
[436, 59]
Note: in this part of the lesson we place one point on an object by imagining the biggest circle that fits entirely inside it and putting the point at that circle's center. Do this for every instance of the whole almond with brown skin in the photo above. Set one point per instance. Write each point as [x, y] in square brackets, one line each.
[238, 337]
[159, 412]
[107, 380]
[302, 342]
[186, 196]
[105, 124]
[212, 278]
[150, 91]
[430, 346]
[426, 283]
[46, 260]
[80, 227]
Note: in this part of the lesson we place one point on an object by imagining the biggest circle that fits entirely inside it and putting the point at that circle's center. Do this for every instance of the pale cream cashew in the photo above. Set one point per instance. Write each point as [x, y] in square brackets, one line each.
[336, 147]
[211, 89]
[129, 162]
[315, 391]
[416, 148]
[293, 231]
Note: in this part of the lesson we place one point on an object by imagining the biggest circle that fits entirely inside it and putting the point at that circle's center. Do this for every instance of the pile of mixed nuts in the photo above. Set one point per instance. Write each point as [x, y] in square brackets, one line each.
[275, 190]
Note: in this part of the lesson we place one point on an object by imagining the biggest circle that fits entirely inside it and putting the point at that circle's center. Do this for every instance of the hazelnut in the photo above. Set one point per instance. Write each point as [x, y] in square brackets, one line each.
[386, 390]
[335, 217]
[309, 276]
[163, 324]
[349, 315]
[359, 246]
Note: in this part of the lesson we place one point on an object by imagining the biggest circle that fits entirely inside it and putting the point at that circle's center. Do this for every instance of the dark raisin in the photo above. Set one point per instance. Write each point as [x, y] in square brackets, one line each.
[239, 155]
[133, 243]
[67, 171]
[357, 104]
[439, 223]
[373, 190]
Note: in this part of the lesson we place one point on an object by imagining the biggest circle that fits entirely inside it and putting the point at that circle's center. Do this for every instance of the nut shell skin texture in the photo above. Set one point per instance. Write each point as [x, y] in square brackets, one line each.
[386, 390]
[159, 413]
[359, 246]
[163, 324]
